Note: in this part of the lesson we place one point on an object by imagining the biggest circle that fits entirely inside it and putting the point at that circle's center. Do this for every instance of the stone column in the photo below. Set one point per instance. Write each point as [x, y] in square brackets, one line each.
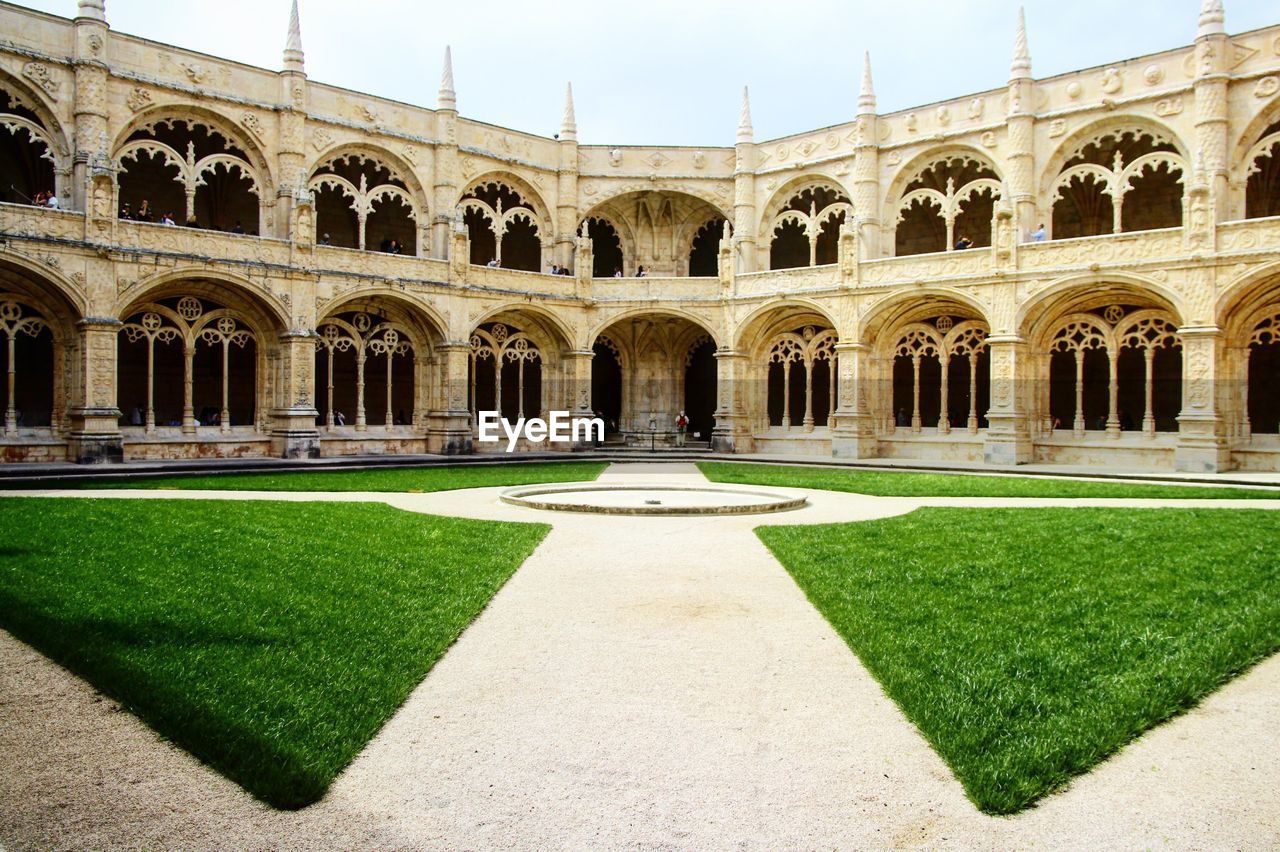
[445, 163]
[577, 385]
[95, 417]
[449, 427]
[1008, 428]
[1202, 432]
[732, 431]
[744, 191]
[866, 172]
[1020, 132]
[291, 160]
[92, 40]
[1212, 63]
[567, 186]
[853, 435]
[294, 434]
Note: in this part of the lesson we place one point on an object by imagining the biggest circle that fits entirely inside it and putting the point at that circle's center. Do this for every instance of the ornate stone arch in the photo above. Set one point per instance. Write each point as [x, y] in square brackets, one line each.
[47, 130]
[775, 316]
[168, 113]
[552, 334]
[1249, 137]
[423, 325]
[1067, 295]
[914, 306]
[392, 162]
[39, 281]
[921, 162]
[529, 193]
[1095, 131]
[782, 195]
[265, 311]
[700, 323]
[615, 191]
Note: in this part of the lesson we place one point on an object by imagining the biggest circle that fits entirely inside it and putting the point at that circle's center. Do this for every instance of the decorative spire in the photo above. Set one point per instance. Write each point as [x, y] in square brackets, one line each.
[745, 132]
[568, 124]
[1021, 67]
[448, 97]
[866, 94]
[94, 9]
[293, 60]
[1213, 19]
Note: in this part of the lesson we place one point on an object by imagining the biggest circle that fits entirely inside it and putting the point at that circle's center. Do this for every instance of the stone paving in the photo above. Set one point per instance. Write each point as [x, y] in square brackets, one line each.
[640, 682]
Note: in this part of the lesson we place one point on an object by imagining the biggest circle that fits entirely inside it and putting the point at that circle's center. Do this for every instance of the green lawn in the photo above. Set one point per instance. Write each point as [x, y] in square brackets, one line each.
[1029, 644]
[395, 479]
[895, 483]
[234, 629]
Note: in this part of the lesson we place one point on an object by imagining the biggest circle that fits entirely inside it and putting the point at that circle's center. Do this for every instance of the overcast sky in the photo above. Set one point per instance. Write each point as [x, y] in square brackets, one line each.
[671, 72]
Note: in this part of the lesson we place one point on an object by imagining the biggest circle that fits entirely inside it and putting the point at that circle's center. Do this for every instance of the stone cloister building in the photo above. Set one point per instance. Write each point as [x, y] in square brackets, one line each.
[347, 274]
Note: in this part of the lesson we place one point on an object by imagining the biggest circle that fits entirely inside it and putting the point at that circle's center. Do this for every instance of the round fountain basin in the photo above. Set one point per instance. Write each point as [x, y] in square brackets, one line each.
[651, 499]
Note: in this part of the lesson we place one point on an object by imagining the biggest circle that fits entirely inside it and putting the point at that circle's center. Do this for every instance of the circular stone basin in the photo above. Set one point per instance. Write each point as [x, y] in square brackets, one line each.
[650, 499]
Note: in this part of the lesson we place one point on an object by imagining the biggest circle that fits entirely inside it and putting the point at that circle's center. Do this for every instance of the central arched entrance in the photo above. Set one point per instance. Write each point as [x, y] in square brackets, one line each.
[646, 370]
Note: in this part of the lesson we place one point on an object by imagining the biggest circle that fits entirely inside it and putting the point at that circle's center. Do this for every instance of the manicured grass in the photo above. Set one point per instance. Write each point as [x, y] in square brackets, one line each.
[1029, 644]
[896, 483]
[396, 479]
[271, 640]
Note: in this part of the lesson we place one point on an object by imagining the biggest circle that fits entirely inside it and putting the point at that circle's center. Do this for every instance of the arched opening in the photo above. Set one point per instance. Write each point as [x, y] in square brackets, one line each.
[506, 372]
[186, 363]
[1262, 188]
[26, 160]
[606, 248]
[1263, 373]
[704, 254]
[657, 231]
[365, 372]
[806, 229]
[363, 203]
[189, 173]
[28, 361]
[666, 365]
[1114, 368]
[800, 395]
[513, 238]
[948, 205]
[1123, 180]
[700, 376]
[606, 384]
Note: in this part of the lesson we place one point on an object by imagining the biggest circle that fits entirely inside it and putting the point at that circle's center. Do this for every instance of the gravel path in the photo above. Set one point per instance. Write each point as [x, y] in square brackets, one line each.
[639, 683]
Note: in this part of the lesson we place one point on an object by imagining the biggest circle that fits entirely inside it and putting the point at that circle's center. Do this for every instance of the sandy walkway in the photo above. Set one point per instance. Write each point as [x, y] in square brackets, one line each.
[640, 682]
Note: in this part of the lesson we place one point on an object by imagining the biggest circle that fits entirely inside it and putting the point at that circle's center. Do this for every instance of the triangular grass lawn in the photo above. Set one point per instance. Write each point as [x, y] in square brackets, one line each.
[903, 483]
[1028, 644]
[422, 478]
[271, 640]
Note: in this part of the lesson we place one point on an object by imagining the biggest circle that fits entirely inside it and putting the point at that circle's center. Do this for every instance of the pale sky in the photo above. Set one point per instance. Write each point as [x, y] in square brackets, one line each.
[670, 72]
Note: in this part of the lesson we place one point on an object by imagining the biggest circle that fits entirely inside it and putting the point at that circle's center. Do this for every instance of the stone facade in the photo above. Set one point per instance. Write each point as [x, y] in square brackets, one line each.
[348, 274]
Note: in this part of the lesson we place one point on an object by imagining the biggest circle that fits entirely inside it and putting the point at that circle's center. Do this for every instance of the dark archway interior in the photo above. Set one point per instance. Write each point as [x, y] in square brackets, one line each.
[606, 248]
[704, 255]
[1062, 389]
[1262, 191]
[1166, 388]
[168, 381]
[923, 230]
[521, 246]
[930, 390]
[24, 170]
[532, 389]
[790, 247]
[390, 219]
[1155, 201]
[700, 391]
[224, 202]
[958, 398]
[606, 386]
[1264, 402]
[33, 391]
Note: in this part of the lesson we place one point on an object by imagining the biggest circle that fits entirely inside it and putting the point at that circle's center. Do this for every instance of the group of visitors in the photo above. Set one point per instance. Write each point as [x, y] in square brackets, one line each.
[1039, 235]
[557, 269]
[46, 199]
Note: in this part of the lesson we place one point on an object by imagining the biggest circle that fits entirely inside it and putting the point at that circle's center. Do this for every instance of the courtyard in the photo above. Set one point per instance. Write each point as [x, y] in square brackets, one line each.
[397, 658]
